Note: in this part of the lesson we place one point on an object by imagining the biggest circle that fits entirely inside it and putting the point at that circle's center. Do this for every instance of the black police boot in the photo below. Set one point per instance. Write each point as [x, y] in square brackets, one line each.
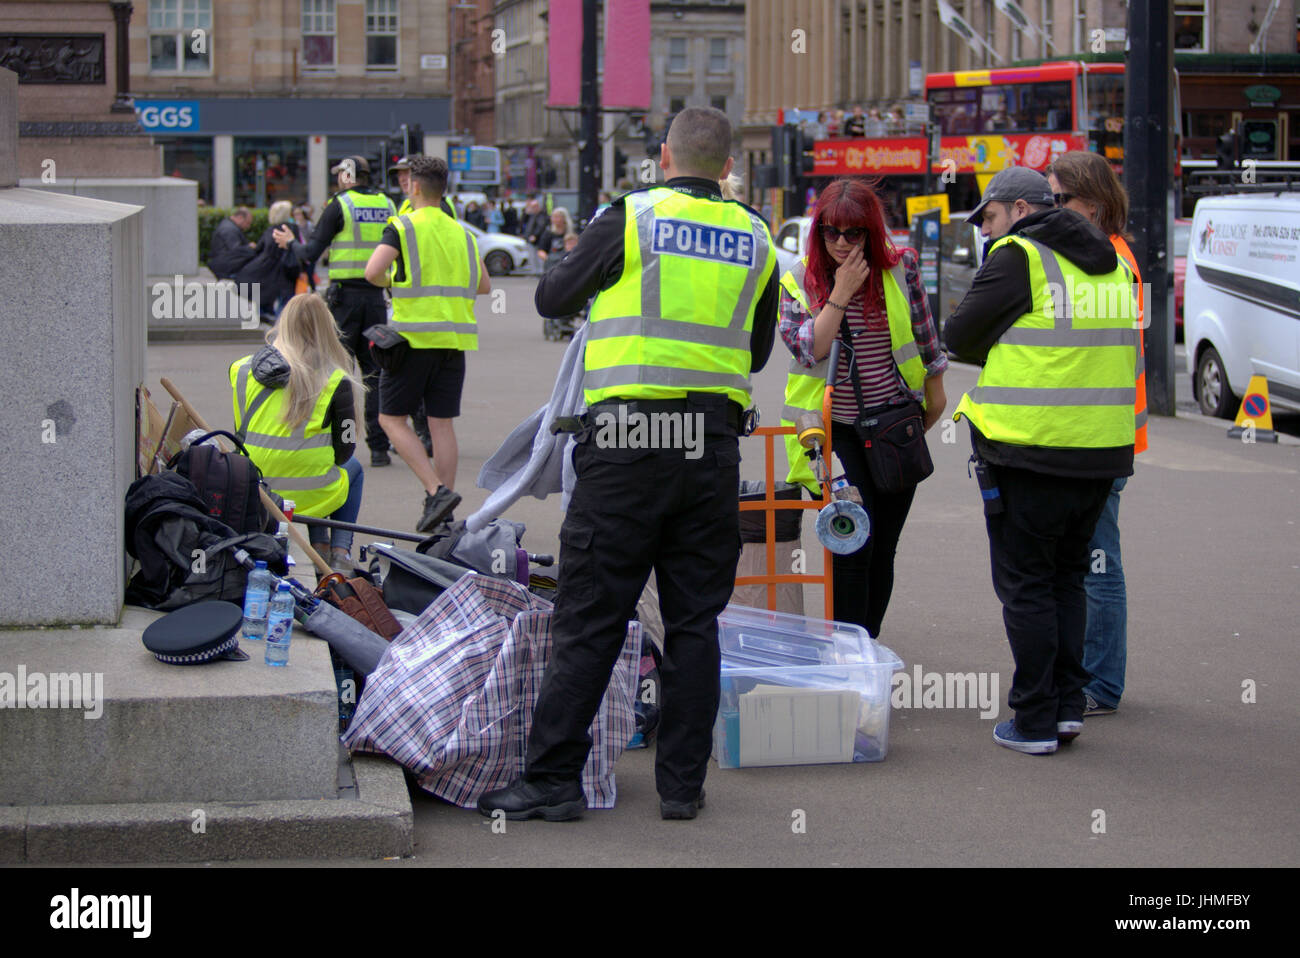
[436, 508]
[681, 810]
[522, 800]
[379, 457]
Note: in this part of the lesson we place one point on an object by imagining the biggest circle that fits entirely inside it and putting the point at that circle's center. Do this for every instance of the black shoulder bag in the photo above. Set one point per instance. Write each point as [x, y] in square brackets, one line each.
[893, 436]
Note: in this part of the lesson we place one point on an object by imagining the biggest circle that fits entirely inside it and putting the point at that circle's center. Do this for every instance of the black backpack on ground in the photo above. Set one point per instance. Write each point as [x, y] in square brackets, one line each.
[227, 482]
[186, 555]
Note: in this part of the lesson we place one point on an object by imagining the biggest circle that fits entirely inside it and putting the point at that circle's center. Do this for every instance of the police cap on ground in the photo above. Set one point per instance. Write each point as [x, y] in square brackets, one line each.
[198, 633]
[359, 165]
[1014, 183]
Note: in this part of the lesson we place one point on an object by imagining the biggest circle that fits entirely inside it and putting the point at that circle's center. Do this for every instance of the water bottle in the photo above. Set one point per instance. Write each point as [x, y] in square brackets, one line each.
[257, 601]
[279, 626]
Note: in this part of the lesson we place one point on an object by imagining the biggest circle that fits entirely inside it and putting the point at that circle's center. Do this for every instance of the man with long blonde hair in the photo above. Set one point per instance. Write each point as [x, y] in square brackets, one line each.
[294, 405]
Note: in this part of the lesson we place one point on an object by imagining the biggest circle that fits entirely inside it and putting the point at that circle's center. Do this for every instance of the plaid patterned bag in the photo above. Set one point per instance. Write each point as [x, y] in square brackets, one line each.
[452, 698]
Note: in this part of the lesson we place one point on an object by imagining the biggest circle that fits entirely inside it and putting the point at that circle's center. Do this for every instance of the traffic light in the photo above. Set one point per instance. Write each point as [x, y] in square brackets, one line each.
[802, 160]
[1228, 150]
[620, 164]
[414, 139]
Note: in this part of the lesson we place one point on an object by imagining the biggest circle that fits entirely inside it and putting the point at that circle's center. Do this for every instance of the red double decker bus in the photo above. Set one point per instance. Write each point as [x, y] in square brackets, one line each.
[988, 120]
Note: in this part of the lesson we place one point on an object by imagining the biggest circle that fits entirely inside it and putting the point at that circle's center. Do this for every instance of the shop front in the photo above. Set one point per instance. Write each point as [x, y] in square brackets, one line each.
[254, 151]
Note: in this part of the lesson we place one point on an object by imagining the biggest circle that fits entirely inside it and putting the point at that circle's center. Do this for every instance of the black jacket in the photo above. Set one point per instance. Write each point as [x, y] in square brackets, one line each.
[533, 226]
[228, 250]
[272, 371]
[596, 263]
[998, 297]
[275, 270]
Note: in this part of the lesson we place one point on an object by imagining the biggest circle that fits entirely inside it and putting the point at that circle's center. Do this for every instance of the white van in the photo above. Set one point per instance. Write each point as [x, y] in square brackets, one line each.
[1241, 310]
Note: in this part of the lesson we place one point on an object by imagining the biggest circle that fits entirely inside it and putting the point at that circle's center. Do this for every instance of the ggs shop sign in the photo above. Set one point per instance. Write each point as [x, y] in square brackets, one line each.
[168, 116]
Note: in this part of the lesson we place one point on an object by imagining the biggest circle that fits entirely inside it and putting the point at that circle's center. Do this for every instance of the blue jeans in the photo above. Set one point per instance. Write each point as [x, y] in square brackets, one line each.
[1105, 644]
[348, 512]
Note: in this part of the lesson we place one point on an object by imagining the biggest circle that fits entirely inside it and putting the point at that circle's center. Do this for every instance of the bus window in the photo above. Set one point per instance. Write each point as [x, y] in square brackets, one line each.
[955, 110]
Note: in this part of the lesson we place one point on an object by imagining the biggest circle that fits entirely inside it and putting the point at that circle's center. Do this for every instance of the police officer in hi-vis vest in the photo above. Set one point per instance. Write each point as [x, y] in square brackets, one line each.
[350, 227]
[433, 267]
[1052, 317]
[685, 310]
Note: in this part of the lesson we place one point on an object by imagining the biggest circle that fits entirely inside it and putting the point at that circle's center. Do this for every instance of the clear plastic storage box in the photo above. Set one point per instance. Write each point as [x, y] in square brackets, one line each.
[800, 691]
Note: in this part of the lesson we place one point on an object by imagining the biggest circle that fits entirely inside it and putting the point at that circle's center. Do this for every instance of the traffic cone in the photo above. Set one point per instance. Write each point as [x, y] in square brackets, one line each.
[1256, 412]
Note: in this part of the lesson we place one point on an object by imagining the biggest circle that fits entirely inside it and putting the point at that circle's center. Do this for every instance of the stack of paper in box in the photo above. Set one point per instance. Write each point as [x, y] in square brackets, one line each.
[800, 691]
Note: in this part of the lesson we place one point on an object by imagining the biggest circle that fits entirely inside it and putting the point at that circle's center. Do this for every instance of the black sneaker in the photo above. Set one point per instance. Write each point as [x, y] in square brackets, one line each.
[522, 800]
[379, 457]
[681, 810]
[437, 507]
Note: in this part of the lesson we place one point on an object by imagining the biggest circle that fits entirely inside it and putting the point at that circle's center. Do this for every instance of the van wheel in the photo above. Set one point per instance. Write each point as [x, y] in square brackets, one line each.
[1212, 391]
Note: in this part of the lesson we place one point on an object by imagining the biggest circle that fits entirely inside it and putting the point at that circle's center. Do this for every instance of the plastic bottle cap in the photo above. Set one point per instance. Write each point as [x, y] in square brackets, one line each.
[282, 587]
[260, 564]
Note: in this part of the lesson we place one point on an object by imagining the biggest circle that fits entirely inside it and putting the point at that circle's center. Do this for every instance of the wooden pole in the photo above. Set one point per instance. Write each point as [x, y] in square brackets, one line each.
[321, 565]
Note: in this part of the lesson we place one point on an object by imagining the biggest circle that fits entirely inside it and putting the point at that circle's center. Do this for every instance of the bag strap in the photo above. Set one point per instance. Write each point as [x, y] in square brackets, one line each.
[847, 337]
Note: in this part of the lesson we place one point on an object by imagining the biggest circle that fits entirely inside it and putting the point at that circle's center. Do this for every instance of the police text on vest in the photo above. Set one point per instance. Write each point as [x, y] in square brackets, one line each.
[716, 243]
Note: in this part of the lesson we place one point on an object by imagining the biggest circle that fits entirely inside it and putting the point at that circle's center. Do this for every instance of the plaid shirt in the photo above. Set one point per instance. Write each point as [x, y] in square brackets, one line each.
[452, 699]
[796, 327]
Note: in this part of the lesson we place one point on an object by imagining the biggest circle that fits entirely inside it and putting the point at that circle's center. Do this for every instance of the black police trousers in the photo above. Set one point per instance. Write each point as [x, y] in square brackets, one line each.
[1038, 546]
[356, 310]
[634, 510]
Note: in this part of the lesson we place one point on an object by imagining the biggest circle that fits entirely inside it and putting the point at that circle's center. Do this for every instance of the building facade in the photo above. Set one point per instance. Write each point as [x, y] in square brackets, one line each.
[835, 54]
[256, 99]
[75, 114]
[473, 72]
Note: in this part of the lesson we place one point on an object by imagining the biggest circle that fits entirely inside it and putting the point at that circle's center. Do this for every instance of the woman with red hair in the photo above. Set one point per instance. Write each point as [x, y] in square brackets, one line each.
[855, 285]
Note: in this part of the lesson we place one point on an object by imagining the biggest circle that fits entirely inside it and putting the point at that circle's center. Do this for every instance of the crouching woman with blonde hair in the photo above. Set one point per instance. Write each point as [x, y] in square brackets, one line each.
[295, 410]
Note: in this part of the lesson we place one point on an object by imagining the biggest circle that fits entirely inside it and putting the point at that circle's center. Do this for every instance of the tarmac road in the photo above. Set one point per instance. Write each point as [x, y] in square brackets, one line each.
[1198, 767]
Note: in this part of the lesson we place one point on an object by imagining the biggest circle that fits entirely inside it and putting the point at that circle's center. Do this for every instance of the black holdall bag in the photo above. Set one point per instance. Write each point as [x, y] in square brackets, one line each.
[893, 436]
[389, 347]
[228, 482]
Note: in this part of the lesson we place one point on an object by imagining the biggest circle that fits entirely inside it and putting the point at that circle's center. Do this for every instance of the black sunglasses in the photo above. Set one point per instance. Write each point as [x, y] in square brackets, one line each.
[1062, 198]
[853, 234]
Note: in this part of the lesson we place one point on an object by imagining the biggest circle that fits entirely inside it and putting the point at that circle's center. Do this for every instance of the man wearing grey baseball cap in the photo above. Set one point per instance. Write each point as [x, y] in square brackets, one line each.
[1051, 318]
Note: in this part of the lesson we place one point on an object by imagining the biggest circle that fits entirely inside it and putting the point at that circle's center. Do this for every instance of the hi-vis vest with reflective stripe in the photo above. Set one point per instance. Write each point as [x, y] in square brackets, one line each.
[364, 216]
[297, 463]
[433, 306]
[1140, 405]
[679, 317]
[805, 385]
[1063, 374]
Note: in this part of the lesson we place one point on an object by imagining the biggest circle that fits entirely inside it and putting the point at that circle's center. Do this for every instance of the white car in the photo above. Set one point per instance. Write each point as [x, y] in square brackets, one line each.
[504, 254]
[1241, 299]
[791, 243]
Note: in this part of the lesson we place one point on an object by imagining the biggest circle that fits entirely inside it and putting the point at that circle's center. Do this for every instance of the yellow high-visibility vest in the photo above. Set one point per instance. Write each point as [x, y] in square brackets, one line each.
[1064, 374]
[433, 304]
[298, 462]
[364, 216]
[678, 319]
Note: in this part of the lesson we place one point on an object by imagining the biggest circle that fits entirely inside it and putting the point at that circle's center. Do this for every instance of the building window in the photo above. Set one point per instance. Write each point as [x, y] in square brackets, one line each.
[718, 103]
[180, 36]
[1080, 26]
[718, 60]
[270, 168]
[1045, 18]
[318, 34]
[677, 54]
[381, 34]
[1191, 26]
[676, 105]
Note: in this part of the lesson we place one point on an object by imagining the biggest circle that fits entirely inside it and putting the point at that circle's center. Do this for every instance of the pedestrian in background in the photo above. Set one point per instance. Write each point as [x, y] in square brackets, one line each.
[1050, 317]
[854, 284]
[295, 412]
[495, 221]
[350, 226]
[229, 249]
[550, 245]
[1085, 183]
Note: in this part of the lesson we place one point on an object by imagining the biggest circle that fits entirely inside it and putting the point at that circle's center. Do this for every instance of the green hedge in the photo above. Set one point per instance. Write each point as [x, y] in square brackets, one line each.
[210, 216]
